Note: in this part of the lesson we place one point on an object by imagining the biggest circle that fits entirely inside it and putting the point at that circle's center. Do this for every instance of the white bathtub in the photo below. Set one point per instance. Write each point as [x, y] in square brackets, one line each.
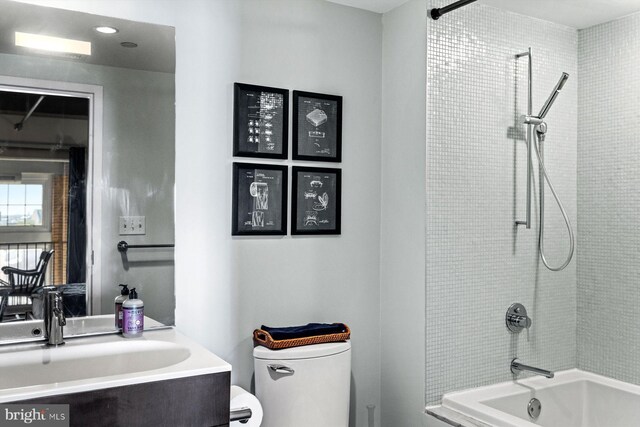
[573, 398]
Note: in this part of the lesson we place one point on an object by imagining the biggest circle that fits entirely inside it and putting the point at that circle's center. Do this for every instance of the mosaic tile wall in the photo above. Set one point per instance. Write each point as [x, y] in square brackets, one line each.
[609, 199]
[477, 261]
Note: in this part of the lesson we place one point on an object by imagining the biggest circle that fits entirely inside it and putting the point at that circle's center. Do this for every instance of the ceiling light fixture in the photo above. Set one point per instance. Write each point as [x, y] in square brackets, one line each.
[52, 44]
[106, 30]
[129, 44]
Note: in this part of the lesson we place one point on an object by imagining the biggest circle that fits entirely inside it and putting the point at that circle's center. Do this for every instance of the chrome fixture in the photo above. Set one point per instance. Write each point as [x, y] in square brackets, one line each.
[516, 318]
[537, 143]
[541, 131]
[54, 319]
[554, 94]
[534, 408]
[281, 369]
[527, 221]
[241, 414]
[124, 246]
[517, 367]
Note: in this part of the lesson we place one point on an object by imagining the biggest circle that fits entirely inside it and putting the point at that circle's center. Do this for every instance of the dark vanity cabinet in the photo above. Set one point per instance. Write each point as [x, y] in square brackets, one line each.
[183, 402]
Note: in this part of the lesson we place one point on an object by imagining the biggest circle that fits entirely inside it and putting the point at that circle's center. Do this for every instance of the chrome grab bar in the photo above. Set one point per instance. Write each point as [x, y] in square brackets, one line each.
[517, 367]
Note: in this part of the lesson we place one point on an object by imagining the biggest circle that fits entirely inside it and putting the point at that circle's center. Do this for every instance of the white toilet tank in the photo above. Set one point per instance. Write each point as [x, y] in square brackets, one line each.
[304, 386]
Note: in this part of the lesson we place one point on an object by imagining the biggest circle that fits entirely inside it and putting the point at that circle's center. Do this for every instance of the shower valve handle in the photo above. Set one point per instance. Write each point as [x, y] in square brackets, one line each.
[517, 318]
[519, 321]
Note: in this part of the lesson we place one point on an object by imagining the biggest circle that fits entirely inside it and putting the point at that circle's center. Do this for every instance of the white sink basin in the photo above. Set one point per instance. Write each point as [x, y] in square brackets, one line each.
[32, 370]
[44, 365]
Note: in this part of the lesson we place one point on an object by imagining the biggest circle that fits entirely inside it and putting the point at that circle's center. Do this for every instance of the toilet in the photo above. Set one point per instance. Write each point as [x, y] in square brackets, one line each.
[304, 386]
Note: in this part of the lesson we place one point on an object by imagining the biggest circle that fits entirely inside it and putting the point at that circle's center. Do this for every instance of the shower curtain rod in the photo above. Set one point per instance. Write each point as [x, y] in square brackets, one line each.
[438, 12]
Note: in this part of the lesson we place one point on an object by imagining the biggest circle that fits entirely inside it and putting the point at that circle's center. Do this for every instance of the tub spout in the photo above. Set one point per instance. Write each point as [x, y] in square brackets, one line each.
[517, 367]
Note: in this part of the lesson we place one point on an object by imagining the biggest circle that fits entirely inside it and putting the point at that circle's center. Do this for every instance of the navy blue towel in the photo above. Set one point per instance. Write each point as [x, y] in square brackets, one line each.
[309, 330]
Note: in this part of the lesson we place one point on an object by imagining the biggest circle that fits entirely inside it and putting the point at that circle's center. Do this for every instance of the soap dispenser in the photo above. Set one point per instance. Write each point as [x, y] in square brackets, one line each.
[124, 295]
[133, 315]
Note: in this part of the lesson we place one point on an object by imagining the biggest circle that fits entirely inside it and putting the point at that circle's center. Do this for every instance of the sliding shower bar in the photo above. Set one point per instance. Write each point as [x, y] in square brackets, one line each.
[436, 13]
[527, 221]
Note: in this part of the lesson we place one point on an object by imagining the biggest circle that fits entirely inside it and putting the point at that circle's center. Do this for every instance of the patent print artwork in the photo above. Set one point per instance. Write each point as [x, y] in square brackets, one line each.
[259, 199]
[316, 201]
[260, 121]
[317, 127]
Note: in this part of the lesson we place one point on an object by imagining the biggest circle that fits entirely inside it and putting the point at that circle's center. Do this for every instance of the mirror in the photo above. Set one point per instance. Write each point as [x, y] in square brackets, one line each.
[87, 161]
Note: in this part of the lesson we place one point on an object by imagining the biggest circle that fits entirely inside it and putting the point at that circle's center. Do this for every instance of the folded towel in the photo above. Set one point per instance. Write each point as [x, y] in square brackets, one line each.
[309, 330]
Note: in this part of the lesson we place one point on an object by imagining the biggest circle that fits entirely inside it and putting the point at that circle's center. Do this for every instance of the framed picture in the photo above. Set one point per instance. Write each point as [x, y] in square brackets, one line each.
[317, 127]
[316, 200]
[259, 199]
[260, 121]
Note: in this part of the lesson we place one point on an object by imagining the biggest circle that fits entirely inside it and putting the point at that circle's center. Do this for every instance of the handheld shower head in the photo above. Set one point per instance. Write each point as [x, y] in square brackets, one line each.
[554, 94]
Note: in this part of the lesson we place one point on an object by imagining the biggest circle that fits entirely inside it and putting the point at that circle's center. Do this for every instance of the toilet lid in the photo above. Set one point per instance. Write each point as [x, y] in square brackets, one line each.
[302, 352]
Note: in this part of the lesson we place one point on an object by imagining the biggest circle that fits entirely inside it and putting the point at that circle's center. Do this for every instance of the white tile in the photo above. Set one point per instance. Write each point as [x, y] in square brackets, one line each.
[478, 263]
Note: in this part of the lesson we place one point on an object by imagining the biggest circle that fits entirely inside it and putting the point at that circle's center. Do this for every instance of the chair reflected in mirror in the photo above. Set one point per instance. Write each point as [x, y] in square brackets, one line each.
[17, 293]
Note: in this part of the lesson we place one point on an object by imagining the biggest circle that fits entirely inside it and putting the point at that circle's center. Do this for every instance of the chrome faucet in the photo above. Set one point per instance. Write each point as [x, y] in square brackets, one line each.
[54, 319]
[517, 367]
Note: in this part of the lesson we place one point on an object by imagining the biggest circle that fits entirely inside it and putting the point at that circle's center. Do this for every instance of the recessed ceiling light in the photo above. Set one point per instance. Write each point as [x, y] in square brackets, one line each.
[129, 44]
[106, 30]
[52, 44]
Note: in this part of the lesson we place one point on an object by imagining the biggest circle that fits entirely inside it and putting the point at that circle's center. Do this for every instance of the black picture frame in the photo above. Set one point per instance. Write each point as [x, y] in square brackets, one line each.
[260, 121]
[317, 127]
[259, 205]
[316, 200]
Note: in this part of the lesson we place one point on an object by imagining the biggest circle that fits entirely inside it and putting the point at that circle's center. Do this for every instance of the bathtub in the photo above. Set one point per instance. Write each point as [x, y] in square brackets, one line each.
[573, 398]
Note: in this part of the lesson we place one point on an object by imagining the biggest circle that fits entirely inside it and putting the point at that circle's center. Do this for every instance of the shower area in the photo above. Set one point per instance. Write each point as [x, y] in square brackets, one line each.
[482, 246]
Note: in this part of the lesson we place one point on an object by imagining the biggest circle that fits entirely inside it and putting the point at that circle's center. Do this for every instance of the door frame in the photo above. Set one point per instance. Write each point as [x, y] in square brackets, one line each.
[94, 94]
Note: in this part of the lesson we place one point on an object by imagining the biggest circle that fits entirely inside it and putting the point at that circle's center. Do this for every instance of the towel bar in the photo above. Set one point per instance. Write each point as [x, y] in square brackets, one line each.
[124, 246]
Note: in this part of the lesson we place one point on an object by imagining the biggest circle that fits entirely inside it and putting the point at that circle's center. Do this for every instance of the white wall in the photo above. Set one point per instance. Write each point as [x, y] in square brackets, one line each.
[226, 287]
[402, 244]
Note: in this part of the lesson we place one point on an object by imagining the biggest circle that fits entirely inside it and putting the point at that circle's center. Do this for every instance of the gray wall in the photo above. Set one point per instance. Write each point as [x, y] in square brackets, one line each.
[402, 234]
[477, 262]
[138, 171]
[608, 199]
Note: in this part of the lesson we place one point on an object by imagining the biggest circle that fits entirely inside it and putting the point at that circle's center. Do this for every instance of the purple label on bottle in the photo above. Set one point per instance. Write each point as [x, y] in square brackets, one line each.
[132, 320]
[119, 316]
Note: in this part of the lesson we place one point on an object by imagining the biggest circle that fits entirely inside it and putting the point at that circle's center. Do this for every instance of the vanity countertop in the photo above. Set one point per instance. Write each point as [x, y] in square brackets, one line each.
[32, 370]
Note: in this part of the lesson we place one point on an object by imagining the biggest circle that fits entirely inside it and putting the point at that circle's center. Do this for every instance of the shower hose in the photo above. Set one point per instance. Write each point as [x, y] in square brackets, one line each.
[538, 140]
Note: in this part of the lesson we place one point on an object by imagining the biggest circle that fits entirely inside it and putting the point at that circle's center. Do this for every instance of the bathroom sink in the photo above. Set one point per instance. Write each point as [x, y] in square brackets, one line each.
[77, 360]
[31, 370]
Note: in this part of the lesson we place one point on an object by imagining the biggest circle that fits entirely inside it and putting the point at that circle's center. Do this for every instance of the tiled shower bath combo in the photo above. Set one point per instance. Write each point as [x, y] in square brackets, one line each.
[478, 261]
